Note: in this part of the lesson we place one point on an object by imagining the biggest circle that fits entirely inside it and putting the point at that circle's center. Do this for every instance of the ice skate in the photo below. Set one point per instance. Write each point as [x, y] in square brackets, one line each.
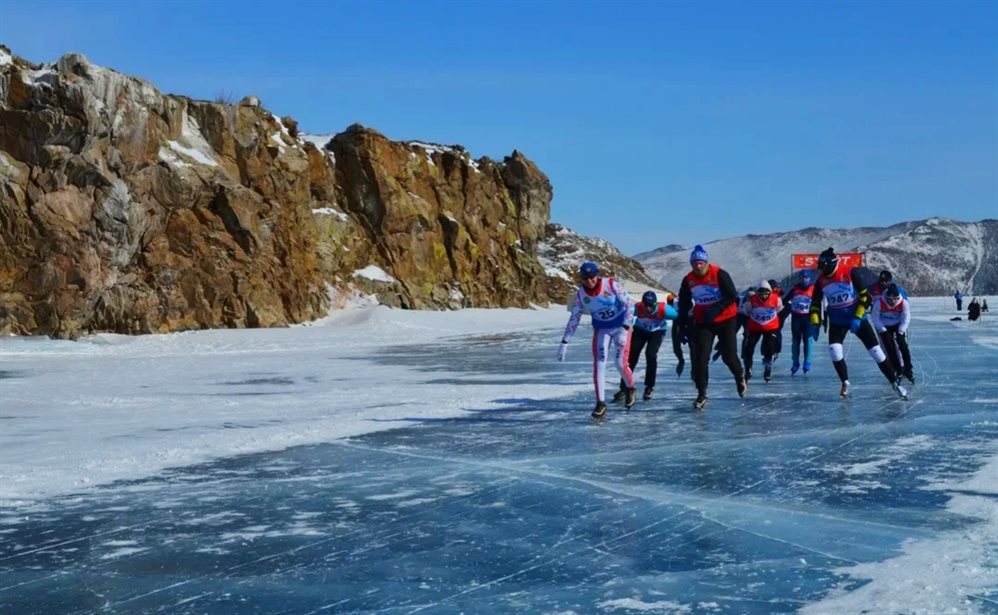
[900, 390]
[742, 386]
[700, 403]
[767, 373]
[844, 390]
[600, 412]
[619, 396]
[807, 366]
[794, 368]
[649, 391]
[630, 396]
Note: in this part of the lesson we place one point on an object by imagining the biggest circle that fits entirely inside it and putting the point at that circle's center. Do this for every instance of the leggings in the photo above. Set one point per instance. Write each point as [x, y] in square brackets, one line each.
[768, 347]
[896, 347]
[621, 342]
[800, 329]
[700, 347]
[650, 342]
[866, 334]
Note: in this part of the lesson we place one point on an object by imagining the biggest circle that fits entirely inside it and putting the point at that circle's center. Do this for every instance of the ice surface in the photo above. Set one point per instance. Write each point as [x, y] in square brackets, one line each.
[472, 481]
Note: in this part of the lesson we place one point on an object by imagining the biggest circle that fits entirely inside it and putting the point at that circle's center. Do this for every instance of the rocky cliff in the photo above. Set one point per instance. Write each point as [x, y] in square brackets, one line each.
[123, 209]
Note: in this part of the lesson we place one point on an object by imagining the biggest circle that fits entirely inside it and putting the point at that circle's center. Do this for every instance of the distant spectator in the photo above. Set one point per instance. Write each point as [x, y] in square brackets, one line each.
[959, 300]
[984, 305]
[973, 310]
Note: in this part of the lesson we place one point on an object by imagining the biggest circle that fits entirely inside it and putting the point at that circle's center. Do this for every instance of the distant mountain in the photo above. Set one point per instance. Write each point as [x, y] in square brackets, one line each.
[929, 257]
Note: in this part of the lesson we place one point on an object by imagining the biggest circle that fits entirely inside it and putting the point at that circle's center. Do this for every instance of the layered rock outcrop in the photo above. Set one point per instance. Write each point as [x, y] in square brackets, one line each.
[126, 210]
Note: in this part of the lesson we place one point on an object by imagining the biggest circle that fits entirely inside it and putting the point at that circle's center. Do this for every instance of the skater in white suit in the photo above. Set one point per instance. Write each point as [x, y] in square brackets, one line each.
[611, 309]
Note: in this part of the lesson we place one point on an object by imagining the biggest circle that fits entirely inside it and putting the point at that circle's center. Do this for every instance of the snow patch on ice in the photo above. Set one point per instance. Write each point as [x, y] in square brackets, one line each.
[636, 604]
[932, 574]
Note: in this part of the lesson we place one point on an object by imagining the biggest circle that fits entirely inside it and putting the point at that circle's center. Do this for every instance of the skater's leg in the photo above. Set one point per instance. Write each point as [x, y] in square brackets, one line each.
[703, 342]
[651, 357]
[836, 335]
[622, 344]
[748, 349]
[601, 341]
[868, 336]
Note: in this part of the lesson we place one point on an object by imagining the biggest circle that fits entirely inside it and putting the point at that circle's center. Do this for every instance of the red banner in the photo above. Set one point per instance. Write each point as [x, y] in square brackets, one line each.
[810, 261]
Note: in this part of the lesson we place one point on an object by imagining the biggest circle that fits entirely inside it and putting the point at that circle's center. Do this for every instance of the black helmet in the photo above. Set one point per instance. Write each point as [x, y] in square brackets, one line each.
[650, 299]
[588, 270]
[828, 261]
[893, 292]
[774, 284]
[886, 276]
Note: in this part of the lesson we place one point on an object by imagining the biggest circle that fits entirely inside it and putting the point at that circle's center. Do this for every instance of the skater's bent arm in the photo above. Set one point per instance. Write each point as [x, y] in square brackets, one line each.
[816, 298]
[573, 320]
[905, 317]
[685, 303]
[863, 294]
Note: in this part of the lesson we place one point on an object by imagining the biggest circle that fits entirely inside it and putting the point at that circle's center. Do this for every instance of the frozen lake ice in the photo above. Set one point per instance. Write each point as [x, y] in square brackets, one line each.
[790, 500]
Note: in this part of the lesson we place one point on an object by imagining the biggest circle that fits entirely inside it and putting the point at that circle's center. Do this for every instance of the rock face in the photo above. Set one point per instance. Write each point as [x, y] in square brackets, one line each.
[126, 210]
[453, 232]
[562, 251]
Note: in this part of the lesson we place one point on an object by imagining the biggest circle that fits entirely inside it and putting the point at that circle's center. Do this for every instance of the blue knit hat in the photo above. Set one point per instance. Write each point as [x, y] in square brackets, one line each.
[698, 254]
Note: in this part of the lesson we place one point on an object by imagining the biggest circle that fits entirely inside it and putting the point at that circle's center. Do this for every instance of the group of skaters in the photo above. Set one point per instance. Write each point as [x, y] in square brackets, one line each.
[709, 312]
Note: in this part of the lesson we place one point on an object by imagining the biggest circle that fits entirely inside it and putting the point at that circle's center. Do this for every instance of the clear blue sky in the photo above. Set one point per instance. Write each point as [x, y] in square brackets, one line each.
[657, 122]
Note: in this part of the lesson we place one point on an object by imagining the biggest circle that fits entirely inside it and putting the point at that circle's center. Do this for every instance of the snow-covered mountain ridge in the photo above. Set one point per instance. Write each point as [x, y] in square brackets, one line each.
[936, 256]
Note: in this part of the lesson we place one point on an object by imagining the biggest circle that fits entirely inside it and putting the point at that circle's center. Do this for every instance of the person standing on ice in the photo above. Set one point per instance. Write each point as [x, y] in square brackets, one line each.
[651, 321]
[798, 307]
[891, 316]
[847, 308]
[709, 292]
[959, 300]
[606, 301]
[763, 312]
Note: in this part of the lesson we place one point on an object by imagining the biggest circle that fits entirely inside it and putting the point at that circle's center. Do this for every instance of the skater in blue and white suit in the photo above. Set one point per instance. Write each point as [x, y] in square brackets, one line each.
[611, 309]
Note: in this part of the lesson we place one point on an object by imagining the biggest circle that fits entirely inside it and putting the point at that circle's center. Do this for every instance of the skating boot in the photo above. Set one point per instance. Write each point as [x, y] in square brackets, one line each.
[742, 387]
[900, 390]
[600, 412]
[748, 375]
[844, 390]
[909, 375]
[648, 393]
[701, 402]
[630, 397]
[807, 366]
[619, 396]
[794, 368]
[767, 373]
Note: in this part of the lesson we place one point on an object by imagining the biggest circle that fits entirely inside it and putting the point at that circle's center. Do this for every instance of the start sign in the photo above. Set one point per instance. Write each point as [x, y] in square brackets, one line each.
[810, 261]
